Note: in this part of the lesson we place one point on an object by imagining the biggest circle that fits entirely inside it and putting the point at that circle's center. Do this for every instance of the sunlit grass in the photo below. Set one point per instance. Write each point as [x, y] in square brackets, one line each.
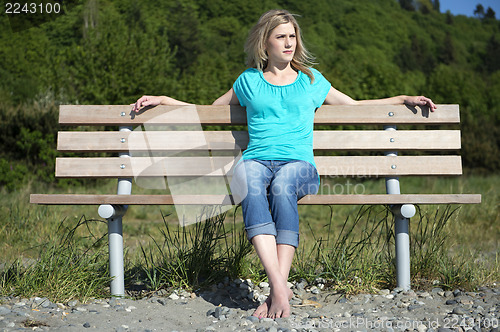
[49, 250]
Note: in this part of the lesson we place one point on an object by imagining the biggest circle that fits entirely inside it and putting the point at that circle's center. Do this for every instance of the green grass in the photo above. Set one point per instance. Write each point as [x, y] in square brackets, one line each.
[60, 251]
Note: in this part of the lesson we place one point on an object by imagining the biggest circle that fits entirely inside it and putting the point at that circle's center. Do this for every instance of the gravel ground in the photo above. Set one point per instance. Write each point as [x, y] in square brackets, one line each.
[229, 305]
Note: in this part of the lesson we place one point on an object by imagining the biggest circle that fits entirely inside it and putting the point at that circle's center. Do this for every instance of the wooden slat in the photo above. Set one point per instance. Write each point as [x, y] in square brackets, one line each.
[78, 199]
[381, 114]
[216, 166]
[374, 166]
[95, 115]
[138, 140]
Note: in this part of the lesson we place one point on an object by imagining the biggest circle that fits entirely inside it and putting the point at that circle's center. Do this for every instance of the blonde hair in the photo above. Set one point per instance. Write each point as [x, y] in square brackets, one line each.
[255, 46]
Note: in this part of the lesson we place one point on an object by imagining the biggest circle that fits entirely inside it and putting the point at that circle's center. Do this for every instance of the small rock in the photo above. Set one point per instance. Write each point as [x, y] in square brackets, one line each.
[451, 302]
[301, 285]
[161, 292]
[218, 312]
[4, 311]
[249, 282]
[264, 284]
[412, 307]
[86, 325]
[384, 292]
[342, 300]
[422, 328]
[458, 311]
[281, 321]
[173, 296]
[315, 290]
[253, 319]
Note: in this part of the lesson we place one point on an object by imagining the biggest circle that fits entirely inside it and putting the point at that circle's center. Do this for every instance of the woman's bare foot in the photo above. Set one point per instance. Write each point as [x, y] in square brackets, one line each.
[280, 303]
[263, 309]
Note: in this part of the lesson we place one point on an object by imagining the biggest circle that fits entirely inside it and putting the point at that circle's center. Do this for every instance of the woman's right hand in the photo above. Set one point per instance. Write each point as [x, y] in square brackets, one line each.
[146, 101]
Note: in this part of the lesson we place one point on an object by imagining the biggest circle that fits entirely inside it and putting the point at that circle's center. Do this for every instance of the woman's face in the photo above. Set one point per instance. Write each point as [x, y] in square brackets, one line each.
[281, 44]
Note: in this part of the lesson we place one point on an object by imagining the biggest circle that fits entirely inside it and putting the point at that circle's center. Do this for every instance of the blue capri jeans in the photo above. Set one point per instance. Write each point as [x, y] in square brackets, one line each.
[269, 191]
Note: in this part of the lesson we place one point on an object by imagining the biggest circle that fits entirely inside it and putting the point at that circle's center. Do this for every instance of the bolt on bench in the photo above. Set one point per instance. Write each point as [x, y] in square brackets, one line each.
[169, 142]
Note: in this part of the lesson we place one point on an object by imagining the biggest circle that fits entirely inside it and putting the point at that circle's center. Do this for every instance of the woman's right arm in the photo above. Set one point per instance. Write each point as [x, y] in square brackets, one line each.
[229, 98]
[154, 101]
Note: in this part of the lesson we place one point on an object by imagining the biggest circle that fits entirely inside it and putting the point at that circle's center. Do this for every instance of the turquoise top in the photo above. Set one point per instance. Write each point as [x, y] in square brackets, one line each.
[280, 117]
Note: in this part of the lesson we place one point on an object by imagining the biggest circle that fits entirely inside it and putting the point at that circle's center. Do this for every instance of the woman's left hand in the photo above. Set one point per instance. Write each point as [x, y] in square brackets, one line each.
[420, 101]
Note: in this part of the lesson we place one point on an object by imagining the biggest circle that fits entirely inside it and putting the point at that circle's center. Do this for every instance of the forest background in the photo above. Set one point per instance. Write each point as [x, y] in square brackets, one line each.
[112, 52]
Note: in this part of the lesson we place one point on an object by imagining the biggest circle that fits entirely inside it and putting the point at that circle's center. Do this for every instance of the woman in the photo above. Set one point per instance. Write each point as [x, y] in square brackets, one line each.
[281, 93]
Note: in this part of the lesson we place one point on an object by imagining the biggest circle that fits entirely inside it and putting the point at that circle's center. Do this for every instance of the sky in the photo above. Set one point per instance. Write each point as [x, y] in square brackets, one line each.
[467, 7]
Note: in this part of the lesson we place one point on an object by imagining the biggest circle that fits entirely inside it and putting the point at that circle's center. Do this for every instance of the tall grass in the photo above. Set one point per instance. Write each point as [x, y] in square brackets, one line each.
[68, 267]
[196, 255]
[351, 247]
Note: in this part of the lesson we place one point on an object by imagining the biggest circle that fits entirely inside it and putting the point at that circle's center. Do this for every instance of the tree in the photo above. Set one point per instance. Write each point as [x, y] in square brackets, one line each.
[407, 5]
[436, 5]
[479, 11]
[425, 6]
[447, 51]
[491, 56]
[490, 14]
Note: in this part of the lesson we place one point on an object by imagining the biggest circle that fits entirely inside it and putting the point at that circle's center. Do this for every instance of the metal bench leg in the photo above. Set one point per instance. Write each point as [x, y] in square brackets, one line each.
[115, 237]
[401, 228]
[114, 214]
[402, 238]
[401, 235]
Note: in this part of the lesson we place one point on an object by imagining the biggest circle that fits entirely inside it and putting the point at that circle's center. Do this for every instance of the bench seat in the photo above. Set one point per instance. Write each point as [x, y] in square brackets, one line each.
[373, 199]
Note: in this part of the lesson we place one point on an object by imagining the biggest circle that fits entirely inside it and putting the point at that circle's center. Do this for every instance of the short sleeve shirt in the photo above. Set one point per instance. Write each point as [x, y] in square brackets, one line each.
[280, 118]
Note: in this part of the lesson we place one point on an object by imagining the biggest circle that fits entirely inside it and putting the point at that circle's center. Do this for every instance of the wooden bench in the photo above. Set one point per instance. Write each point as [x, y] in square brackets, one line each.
[173, 142]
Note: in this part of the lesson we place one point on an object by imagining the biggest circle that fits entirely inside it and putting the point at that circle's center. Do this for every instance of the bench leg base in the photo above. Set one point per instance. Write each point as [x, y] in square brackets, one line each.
[115, 237]
[402, 239]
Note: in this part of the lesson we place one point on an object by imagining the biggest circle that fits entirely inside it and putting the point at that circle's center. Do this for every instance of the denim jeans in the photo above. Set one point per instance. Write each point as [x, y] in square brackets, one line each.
[269, 191]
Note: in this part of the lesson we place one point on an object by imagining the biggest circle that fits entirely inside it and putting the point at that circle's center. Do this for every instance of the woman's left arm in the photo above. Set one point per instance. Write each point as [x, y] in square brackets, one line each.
[336, 97]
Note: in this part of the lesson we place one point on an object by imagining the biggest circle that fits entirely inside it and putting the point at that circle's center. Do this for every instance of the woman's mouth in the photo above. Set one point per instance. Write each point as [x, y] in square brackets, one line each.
[288, 52]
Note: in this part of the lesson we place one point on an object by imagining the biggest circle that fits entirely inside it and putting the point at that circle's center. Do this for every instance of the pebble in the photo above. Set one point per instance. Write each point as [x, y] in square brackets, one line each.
[314, 309]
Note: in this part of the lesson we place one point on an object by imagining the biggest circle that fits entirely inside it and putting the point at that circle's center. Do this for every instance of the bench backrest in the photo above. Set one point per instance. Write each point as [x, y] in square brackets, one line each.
[183, 135]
